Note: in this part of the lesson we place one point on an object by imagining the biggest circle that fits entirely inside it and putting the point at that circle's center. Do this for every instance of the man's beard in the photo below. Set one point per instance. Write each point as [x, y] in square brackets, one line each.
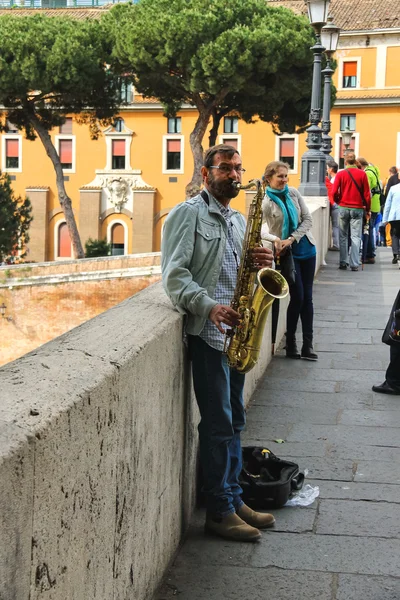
[225, 188]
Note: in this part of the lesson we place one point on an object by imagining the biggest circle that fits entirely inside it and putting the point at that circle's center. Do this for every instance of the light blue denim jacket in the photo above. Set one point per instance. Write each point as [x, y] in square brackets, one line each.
[192, 250]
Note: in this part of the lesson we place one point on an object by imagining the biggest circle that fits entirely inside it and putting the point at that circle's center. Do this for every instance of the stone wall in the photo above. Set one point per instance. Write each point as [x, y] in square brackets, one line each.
[98, 449]
[46, 300]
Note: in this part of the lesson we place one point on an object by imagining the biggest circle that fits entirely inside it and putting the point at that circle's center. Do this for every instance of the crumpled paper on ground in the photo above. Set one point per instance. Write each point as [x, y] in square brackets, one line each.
[304, 497]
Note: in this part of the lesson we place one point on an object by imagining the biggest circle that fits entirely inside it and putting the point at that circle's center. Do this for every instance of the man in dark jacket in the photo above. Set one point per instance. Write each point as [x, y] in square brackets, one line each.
[351, 191]
[391, 385]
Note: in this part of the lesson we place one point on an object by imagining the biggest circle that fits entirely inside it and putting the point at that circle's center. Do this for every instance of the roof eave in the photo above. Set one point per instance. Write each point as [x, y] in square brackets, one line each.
[360, 102]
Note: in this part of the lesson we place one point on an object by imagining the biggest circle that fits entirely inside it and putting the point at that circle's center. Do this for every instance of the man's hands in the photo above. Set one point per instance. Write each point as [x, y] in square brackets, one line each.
[262, 257]
[223, 314]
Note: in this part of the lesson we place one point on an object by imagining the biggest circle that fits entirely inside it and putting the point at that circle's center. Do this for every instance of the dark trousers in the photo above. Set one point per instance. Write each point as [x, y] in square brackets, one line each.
[301, 303]
[395, 235]
[219, 395]
[393, 370]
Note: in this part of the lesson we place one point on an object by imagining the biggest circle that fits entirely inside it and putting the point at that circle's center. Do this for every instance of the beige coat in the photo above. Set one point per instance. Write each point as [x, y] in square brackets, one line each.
[273, 219]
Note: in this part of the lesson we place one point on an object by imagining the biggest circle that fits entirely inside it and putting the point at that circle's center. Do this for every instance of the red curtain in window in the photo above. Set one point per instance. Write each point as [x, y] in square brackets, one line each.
[66, 151]
[349, 69]
[231, 142]
[117, 234]
[12, 147]
[118, 147]
[351, 147]
[286, 148]
[173, 145]
[64, 241]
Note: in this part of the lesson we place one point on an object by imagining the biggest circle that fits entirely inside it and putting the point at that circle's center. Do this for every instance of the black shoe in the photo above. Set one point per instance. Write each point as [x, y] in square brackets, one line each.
[385, 388]
[307, 352]
[291, 348]
[394, 261]
[343, 267]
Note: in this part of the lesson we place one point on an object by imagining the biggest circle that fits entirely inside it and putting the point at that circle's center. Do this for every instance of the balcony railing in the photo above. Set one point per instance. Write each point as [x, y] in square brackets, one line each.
[56, 3]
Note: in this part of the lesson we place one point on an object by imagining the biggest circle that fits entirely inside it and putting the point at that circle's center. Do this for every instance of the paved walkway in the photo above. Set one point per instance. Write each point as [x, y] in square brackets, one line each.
[346, 546]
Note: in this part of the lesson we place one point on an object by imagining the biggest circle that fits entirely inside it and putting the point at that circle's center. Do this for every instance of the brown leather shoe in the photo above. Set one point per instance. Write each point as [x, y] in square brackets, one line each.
[256, 519]
[232, 528]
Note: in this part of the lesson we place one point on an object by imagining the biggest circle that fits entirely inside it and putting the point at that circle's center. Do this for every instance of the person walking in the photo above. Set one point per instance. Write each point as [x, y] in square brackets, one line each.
[200, 253]
[391, 385]
[391, 214]
[289, 222]
[351, 191]
[332, 168]
[394, 179]
[375, 188]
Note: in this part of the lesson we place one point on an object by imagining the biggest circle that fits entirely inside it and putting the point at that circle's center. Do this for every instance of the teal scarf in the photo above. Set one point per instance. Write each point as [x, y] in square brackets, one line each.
[290, 215]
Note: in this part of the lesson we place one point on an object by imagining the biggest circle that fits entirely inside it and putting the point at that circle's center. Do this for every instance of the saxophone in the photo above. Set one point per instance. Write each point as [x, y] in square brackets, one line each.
[243, 342]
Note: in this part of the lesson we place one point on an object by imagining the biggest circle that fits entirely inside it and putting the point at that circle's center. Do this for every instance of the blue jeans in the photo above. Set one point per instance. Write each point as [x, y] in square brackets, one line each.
[335, 225]
[371, 237]
[301, 302]
[350, 218]
[219, 395]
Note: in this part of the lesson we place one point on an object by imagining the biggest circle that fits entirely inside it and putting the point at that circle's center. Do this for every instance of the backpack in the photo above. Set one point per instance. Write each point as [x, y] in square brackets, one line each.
[377, 189]
[266, 480]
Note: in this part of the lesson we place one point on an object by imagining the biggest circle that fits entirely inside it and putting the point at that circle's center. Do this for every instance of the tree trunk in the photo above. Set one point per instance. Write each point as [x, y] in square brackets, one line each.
[196, 138]
[216, 120]
[64, 199]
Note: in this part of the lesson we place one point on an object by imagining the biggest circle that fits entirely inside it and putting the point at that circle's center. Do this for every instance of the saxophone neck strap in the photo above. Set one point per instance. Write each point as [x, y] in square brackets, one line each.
[205, 197]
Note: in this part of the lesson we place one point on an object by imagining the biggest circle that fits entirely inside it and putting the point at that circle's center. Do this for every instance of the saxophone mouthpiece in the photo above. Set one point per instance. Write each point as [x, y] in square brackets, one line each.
[236, 184]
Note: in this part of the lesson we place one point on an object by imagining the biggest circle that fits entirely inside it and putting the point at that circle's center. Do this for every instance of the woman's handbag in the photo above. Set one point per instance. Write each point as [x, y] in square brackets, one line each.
[266, 480]
[391, 335]
[286, 266]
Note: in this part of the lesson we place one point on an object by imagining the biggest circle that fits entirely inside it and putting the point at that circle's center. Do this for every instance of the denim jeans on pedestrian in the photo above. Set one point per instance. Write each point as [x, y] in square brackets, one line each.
[301, 302]
[371, 246]
[350, 219]
[219, 395]
[335, 225]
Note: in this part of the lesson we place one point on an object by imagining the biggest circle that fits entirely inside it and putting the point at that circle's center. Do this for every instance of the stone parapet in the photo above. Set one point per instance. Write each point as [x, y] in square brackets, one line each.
[98, 448]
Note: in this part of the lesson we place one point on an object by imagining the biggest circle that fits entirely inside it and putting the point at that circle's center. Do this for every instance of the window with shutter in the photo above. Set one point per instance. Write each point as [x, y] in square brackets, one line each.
[173, 155]
[287, 151]
[118, 154]
[12, 154]
[350, 74]
[65, 152]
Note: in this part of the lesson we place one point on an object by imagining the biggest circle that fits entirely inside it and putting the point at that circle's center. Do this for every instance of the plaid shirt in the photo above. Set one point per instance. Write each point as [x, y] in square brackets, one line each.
[226, 283]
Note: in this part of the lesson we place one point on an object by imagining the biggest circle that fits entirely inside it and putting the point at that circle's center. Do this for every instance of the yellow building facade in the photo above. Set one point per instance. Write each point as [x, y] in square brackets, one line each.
[124, 184]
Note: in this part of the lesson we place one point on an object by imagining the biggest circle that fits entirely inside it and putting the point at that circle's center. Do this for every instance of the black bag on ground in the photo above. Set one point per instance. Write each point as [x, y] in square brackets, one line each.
[266, 480]
[391, 335]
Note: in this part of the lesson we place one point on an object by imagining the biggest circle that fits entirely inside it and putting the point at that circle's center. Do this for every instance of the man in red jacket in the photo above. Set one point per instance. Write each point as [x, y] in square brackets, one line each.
[351, 191]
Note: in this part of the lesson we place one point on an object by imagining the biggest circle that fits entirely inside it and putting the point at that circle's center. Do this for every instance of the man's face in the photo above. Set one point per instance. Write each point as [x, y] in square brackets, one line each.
[220, 180]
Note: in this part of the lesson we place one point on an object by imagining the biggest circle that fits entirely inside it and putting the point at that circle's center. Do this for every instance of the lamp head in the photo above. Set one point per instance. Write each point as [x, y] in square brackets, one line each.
[330, 36]
[318, 12]
[346, 136]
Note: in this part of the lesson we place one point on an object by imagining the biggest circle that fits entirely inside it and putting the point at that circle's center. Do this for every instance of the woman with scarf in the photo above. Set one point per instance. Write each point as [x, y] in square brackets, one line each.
[289, 225]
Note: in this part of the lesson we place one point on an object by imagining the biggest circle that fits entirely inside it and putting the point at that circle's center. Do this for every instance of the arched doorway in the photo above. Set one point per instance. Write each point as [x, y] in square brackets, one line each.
[64, 242]
[117, 240]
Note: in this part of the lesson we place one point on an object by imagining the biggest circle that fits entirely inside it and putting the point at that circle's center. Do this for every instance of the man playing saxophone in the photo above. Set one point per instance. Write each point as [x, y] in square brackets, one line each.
[201, 251]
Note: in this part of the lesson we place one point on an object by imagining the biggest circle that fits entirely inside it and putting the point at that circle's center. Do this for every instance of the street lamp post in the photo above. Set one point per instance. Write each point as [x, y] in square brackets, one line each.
[346, 139]
[313, 161]
[329, 39]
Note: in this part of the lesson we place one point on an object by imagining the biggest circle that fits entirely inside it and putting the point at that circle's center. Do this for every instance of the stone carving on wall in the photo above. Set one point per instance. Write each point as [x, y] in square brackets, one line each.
[117, 189]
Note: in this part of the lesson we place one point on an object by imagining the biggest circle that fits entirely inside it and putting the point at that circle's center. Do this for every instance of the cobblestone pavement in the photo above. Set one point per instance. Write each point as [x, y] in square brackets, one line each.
[346, 546]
